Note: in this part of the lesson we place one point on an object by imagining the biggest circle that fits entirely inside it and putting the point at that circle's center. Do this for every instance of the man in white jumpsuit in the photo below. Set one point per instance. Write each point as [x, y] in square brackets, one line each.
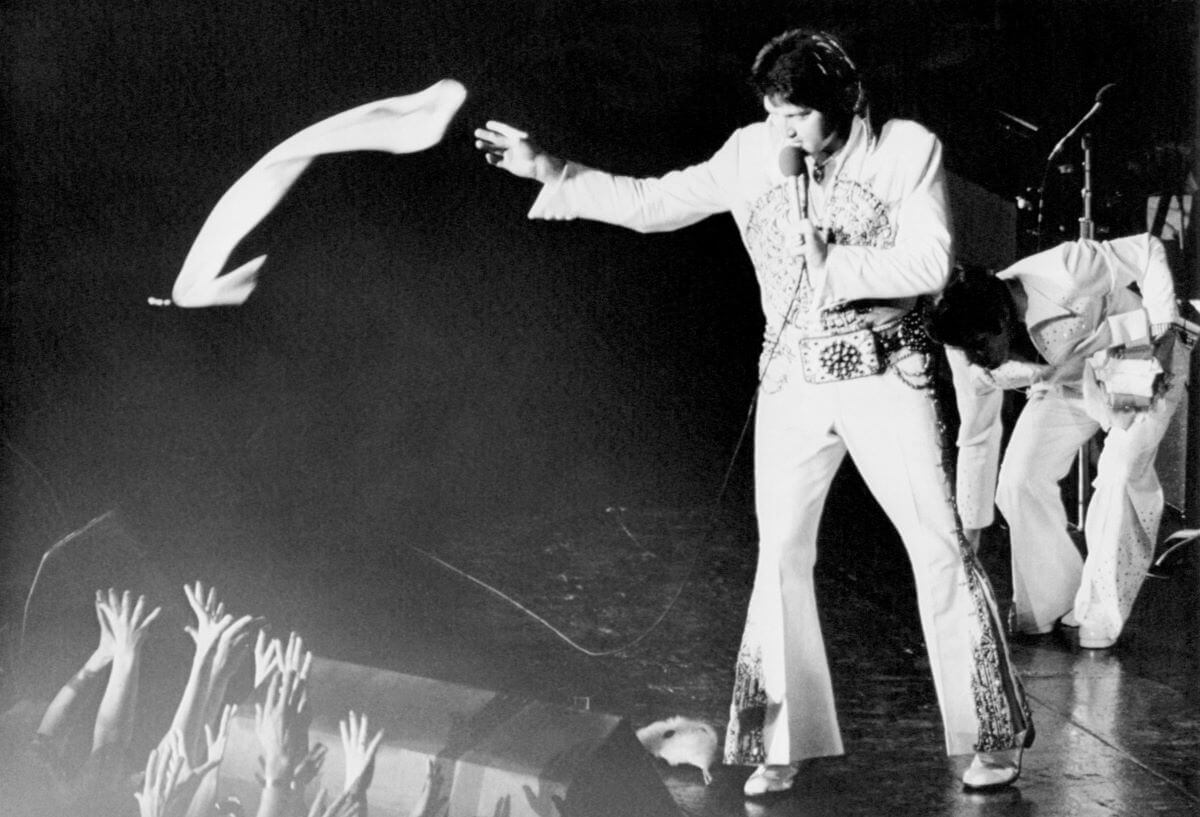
[1075, 303]
[845, 368]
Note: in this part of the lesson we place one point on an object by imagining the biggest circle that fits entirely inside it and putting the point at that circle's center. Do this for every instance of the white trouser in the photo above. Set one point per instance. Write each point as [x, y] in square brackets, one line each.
[783, 707]
[1050, 578]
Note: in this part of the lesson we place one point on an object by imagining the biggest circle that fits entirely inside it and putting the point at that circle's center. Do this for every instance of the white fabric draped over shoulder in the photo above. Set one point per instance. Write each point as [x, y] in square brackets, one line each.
[402, 124]
[1087, 278]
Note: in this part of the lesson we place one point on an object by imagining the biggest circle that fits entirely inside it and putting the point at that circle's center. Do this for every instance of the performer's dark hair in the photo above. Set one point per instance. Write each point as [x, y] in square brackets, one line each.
[974, 305]
[811, 68]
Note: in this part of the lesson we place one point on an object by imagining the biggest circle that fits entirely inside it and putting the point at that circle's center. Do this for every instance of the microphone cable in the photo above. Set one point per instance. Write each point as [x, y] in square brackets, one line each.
[710, 526]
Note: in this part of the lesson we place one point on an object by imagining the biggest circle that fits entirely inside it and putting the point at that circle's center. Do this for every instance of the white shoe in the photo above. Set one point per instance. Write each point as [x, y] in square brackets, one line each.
[995, 770]
[1093, 639]
[992, 770]
[769, 780]
[1069, 620]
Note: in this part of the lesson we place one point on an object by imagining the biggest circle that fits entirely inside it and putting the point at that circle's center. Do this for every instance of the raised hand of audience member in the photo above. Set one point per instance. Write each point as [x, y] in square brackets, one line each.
[434, 796]
[127, 625]
[157, 796]
[359, 751]
[310, 767]
[59, 715]
[266, 657]
[102, 656]
[229, 652]
[206, 789]
[122, 627]
[281, 724]
[231, 648]
[171, 787]
[210, 613]
[294, 657]
[220, 645]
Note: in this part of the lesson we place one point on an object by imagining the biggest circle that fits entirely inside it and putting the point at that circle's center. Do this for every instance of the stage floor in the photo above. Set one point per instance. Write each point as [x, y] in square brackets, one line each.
[1118, 731]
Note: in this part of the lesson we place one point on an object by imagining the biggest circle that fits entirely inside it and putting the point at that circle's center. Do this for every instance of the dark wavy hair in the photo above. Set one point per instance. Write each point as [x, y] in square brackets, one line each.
[973, 306]
[811, 68]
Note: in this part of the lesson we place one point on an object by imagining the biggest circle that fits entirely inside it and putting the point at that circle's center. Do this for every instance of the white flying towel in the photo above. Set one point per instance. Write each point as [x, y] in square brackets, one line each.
[402, 124]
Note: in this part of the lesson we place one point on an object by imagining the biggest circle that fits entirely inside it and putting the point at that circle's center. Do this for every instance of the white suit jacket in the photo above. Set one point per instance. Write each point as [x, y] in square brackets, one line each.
[1079, 302]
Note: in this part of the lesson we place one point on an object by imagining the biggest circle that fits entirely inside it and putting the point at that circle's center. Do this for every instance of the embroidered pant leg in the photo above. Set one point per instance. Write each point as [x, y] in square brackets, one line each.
[1123, 517]
[893, 434]
[783, 708]
[1046, 565]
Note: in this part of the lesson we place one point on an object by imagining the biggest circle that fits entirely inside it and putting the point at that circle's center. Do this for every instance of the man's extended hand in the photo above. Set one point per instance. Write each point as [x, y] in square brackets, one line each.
[511, 149]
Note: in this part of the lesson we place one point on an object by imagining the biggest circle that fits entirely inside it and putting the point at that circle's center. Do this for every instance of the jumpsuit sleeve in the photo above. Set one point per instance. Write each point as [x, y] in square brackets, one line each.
[1142, 260]
[656, 204]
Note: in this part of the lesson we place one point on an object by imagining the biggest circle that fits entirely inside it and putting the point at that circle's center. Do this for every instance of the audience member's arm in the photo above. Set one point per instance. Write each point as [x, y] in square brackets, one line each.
[359, 751]
[206, 786]
[360, 768]
[266, 657]
[294, 657]
[210, 617]
[230, 650]
[215, 631]
[281, 724]
[128, 622]
[171, 788]
[62, 711]
[162, 770]
[308, 770]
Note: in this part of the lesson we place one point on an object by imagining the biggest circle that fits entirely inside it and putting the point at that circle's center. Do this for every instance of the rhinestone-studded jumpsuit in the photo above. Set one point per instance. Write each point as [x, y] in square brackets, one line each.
[883, 199]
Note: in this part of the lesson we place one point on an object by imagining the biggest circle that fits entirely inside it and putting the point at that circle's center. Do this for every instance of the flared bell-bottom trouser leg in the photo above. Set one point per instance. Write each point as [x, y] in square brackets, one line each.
[1046, 565]
[783, 707]
[1123, 516]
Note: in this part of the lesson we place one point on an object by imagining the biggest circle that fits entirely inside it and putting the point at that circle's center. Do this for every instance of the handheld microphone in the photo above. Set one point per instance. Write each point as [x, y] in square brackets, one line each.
[1086, 118]
[792, 165]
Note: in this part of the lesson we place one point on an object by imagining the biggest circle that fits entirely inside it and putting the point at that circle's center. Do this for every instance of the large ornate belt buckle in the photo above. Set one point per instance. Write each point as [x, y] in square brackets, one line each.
[843, 356]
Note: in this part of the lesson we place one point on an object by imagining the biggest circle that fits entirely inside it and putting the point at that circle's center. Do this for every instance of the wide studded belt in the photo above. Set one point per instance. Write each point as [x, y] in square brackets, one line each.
[862, 352]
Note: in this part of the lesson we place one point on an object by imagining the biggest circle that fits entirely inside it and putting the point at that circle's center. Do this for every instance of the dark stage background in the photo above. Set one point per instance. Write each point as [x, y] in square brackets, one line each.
[419, 357]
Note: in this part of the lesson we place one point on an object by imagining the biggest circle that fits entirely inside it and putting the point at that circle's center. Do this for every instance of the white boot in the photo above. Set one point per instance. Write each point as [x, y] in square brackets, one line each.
[769, 779]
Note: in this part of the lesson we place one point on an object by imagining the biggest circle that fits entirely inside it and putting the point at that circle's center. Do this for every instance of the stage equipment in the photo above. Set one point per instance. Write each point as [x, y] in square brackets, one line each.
[1087, 117]
[1087, 230]
[455, 751]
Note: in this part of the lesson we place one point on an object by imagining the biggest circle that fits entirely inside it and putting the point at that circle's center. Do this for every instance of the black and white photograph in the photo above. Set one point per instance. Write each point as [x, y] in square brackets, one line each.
[600, 408]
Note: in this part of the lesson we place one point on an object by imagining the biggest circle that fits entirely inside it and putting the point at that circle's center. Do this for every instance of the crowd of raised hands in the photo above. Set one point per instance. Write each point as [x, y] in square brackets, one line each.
[179, 778]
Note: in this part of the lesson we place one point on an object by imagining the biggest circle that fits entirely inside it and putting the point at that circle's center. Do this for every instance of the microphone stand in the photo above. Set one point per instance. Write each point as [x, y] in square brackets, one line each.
[1058, 148]
[1087, 231]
